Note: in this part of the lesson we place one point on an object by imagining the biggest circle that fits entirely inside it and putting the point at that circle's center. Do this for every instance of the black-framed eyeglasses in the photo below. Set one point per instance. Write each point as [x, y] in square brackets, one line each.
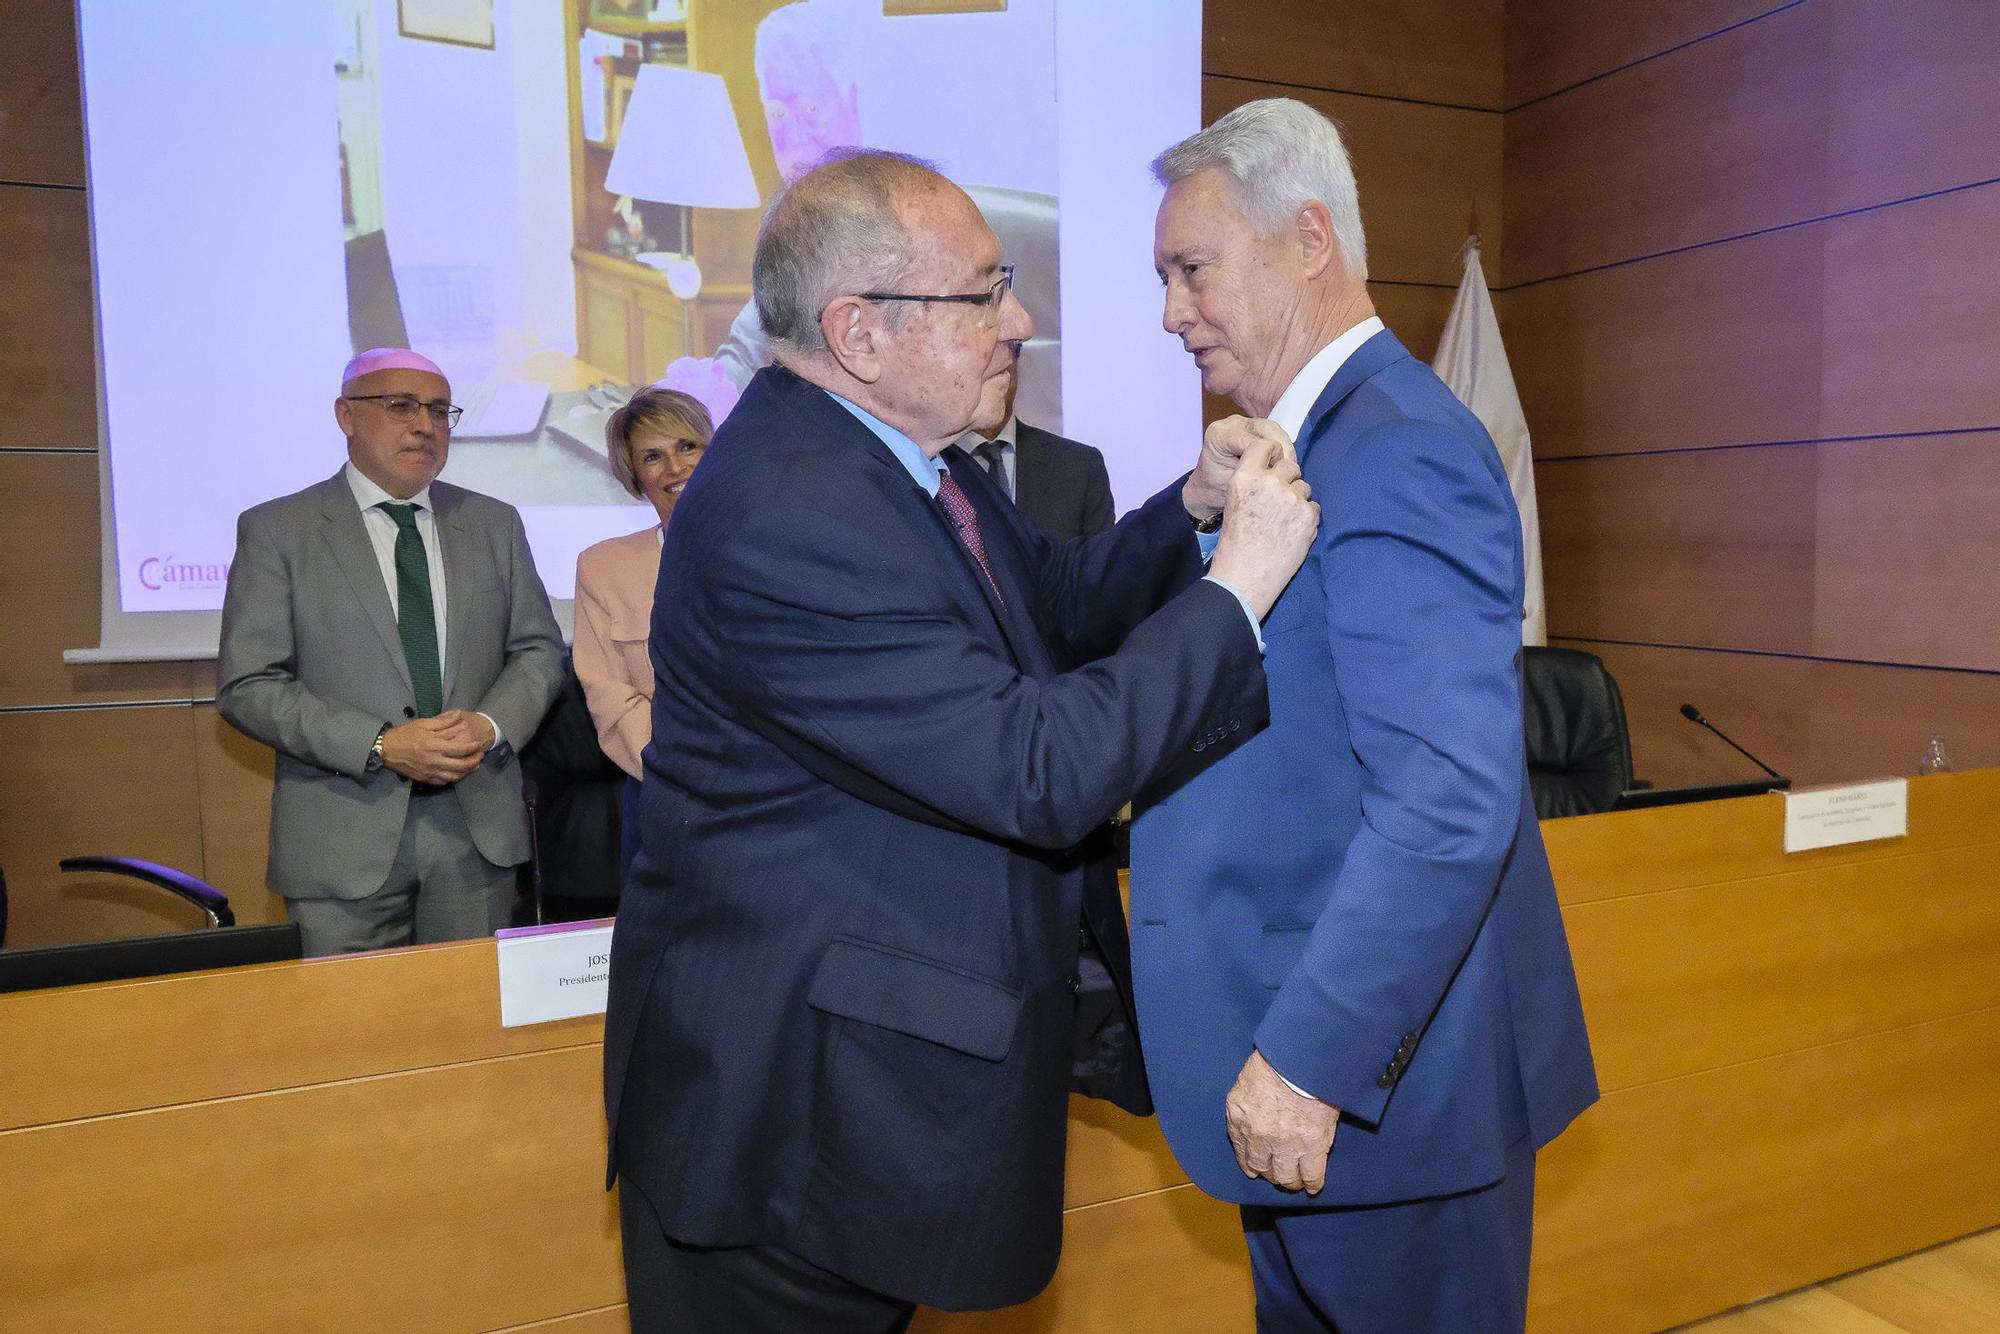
[403, 407]
[991, 298]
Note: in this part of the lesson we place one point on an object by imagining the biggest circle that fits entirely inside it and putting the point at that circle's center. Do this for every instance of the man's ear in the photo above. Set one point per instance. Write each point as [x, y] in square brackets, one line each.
[343, 415]
[1312, 227]
[853, 332]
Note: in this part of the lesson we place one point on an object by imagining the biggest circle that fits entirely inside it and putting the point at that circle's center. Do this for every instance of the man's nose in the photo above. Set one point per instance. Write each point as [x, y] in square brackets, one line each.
[1176, 311]
[1016, 325]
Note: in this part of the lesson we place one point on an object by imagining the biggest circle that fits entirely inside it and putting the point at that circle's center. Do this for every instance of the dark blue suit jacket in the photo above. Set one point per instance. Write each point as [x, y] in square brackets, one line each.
[1360, 892]
[842, 979]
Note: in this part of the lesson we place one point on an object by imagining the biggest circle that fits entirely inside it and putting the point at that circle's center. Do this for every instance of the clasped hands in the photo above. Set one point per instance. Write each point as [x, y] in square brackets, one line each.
[438, 750]
[1249, 472]
[1279, 1134]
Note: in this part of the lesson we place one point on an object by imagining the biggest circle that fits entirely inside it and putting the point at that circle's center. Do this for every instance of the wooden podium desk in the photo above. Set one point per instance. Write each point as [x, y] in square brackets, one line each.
[1800, 1057]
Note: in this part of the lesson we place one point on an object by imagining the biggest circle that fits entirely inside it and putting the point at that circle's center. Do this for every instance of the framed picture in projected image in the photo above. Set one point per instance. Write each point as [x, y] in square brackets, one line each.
[891, 8]
[459, 22]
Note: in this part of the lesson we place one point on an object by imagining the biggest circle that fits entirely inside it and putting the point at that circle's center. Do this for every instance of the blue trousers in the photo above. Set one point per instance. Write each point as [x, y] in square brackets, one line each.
[1455, 1265]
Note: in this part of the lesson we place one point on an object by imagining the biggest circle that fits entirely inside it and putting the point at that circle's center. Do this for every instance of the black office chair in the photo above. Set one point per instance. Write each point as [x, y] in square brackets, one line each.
[221, 944]
[1579, 754]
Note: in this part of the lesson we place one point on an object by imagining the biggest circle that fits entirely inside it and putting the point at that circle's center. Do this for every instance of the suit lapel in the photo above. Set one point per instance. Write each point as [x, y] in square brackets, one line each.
[926, 514]
[460, 549]
[1368, 360]
[347, 538]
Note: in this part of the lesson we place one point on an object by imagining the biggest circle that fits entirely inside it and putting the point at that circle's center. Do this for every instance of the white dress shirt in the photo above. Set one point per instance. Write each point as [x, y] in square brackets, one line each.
[382, 530]
[1317, 374]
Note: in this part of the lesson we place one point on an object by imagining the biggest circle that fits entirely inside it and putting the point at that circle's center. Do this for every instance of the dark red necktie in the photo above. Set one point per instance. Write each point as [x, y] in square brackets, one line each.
[966, 524]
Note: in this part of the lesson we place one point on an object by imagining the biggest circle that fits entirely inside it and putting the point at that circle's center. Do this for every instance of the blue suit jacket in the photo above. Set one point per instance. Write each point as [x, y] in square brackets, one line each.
[842, 984]
[1360, 892]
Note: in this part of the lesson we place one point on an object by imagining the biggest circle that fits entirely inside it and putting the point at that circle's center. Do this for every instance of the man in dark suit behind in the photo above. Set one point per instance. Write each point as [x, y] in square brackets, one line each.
[1061, 485]
[838, 1040]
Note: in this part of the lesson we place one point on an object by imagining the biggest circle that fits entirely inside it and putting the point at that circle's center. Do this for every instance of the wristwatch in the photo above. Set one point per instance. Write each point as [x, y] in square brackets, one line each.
[375, 758]
[1213, 523]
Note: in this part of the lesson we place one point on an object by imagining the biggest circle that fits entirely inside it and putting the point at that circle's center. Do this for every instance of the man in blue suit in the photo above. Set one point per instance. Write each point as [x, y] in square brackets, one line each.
[1348, 923]
[838, 1049]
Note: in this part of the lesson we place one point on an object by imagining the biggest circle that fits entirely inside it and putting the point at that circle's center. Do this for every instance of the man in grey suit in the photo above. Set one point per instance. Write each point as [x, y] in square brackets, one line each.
[388, 636]
[1061, 485]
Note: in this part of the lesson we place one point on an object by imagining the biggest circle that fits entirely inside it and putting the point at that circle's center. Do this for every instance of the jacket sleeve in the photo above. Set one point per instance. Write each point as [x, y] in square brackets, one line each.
[864, 669]
[529, 682]
[1419, 557]
[258, 688]
[621, 710]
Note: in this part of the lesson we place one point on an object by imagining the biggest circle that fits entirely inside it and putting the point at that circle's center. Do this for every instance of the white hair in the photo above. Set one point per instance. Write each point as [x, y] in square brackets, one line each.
[1280, 154]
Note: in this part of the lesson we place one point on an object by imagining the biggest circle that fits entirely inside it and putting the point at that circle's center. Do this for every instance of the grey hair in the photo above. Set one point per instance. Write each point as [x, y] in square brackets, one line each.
[1280, 154]
[835, 230]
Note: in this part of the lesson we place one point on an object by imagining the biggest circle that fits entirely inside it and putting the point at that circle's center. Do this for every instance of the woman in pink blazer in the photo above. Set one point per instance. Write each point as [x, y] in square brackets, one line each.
[654, 442]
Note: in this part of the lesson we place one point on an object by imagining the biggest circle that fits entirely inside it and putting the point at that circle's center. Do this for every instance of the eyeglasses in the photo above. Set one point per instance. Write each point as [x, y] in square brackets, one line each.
[991, 298]
[403, 407]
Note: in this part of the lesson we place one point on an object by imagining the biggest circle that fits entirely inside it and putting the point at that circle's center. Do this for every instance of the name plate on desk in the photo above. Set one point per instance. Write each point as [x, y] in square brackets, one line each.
[1829, 817]
[554, 972]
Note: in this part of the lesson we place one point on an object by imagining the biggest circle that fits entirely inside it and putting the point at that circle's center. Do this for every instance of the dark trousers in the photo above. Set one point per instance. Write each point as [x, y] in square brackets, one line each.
[1457, 1264]
[676, 1289]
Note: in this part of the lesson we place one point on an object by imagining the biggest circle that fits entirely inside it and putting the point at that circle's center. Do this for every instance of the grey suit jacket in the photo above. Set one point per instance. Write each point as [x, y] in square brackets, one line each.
[311, 665]
[1061, 485]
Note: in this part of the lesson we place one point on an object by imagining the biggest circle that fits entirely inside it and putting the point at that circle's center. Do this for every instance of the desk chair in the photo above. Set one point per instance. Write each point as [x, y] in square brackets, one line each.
[1579, 755]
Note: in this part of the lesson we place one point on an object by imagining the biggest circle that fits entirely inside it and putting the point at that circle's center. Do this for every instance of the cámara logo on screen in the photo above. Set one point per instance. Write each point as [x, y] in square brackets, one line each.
[158, 572]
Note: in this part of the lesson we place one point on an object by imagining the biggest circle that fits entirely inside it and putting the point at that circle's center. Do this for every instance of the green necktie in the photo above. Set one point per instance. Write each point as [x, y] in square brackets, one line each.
[416, 619]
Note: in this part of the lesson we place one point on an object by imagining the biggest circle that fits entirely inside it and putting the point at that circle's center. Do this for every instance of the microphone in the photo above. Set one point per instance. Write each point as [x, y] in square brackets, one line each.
[1693, 715]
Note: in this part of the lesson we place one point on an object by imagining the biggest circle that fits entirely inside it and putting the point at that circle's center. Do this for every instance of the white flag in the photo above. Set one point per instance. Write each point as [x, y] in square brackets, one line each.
[1471, 361]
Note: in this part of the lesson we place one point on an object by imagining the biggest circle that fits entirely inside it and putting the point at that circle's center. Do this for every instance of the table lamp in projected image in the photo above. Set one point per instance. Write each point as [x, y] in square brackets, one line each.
[679, 143]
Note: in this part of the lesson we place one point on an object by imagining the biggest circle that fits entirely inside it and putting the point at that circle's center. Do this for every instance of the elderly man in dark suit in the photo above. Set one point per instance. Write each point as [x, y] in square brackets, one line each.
[387, 635]
[843, 981]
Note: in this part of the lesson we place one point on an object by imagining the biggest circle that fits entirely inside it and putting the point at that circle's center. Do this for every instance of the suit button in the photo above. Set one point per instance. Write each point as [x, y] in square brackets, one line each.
[1200, 746]
[1385, 1081]
[409, 712]
[1235, 723]
[1075, 984]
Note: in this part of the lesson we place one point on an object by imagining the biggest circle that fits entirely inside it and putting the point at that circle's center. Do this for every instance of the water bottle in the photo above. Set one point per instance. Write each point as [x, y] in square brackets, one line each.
[1934, 760]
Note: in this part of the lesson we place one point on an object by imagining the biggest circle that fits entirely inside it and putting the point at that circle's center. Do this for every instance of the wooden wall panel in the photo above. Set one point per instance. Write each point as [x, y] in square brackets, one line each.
[48, 348]
[1785, 962]
[1627, 539]
[1416, 315]
[1820, 722]
[1914, 98]
[1633, 854]
[279, 1225]
[1793, 1168]
[115, 782]
[1173, 1260]
[1907, 550]
[41, 105]
[1425, 50]
[1717, 139]
[1424, 174]
[1911, 333]
[1553, 44]
[1708, 347]
[49, 593]
[272, 1027]
[233, 775]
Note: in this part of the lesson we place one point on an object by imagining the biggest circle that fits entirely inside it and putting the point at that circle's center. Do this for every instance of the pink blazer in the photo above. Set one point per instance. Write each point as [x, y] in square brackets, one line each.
[614, 615]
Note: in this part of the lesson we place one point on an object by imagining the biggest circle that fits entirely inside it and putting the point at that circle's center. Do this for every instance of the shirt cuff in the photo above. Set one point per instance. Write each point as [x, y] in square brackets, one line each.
[1244, 603]
[499, 737]
[1289, 1084]
[1208, 542]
